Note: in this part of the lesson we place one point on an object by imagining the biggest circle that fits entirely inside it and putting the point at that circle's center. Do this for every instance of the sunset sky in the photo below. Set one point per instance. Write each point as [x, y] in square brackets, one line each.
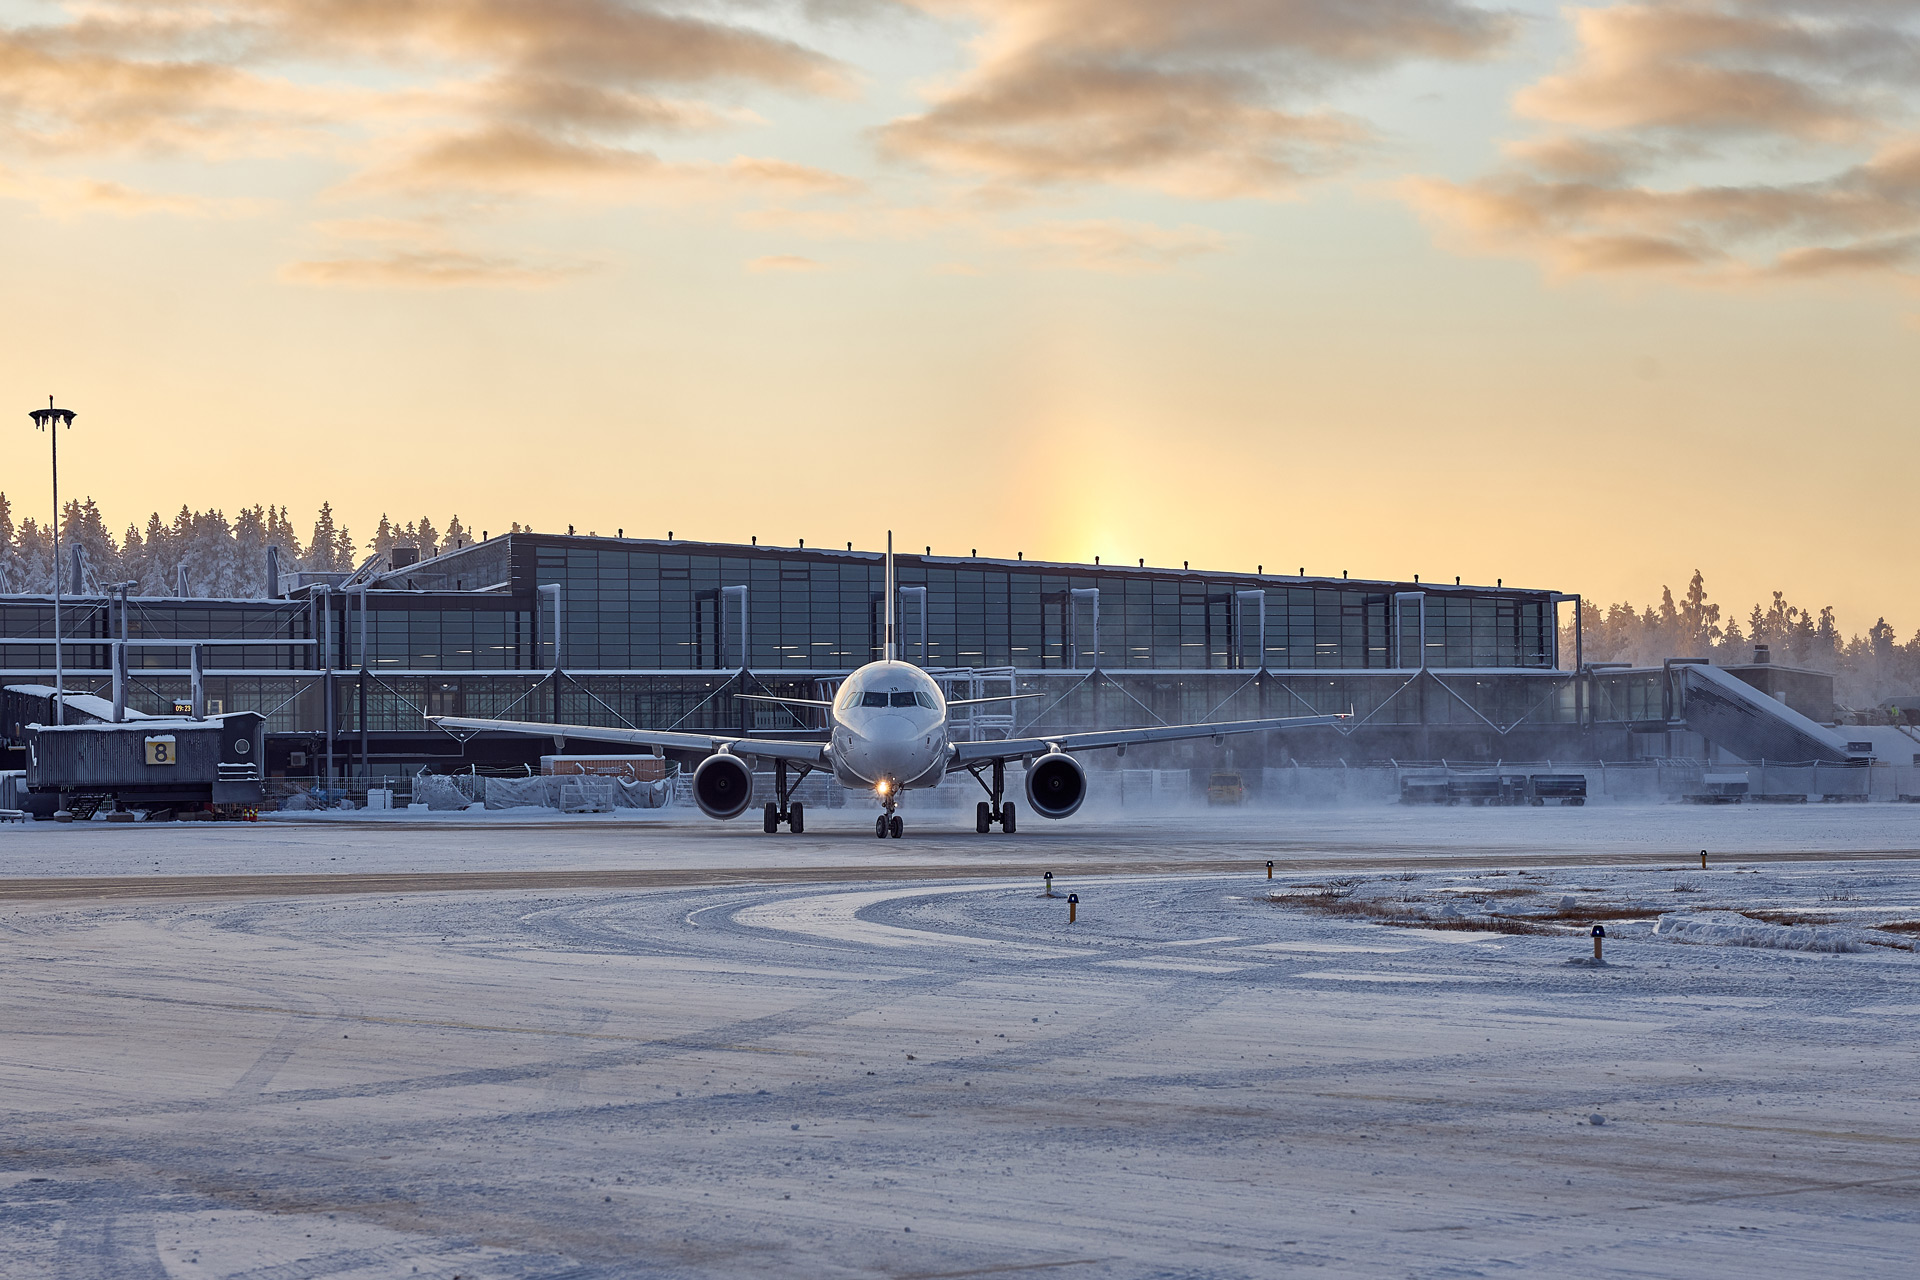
[1579, 297]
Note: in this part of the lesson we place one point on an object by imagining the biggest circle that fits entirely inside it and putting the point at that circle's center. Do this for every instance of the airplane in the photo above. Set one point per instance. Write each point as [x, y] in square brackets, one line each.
[887, 734]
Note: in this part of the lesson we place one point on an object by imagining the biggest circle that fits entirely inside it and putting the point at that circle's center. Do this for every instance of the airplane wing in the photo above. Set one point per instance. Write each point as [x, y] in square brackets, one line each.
[973, 752]
[770, 749]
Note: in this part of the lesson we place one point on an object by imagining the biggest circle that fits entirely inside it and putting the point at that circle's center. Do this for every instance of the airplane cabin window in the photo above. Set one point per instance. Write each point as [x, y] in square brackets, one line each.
[874, 700]
[904, 700]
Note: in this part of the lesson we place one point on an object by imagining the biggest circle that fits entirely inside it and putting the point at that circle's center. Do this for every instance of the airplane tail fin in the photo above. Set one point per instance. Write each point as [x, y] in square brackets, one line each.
[893, 651]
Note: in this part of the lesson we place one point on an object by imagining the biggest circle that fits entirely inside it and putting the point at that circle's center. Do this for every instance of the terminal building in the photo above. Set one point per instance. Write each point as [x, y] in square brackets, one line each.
[659, 633]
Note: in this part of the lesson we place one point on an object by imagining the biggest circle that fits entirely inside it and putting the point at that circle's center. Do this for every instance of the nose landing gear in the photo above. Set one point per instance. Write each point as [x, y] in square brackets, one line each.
[888, 823]
[993, 810]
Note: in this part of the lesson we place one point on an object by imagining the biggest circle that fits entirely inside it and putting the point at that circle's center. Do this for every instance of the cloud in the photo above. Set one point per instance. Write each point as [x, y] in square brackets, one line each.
[504, 96]
[1723, 66]
[508, 160]
[60, 97]
[783, 262]
[1198, 98]
[64, 197]
[389, 253]
[421, 269]
[1810, 101]
[1113, 245]
[568, 42]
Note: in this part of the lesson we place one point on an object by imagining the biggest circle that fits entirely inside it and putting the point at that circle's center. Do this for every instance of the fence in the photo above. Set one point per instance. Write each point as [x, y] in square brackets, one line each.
[1636, 782]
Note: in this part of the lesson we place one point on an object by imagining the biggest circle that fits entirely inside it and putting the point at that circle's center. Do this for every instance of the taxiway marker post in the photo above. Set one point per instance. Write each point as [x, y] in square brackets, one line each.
[1073, 908]
[1703, 859]
[1048, 879]
[1269, 868]
[1599, 936]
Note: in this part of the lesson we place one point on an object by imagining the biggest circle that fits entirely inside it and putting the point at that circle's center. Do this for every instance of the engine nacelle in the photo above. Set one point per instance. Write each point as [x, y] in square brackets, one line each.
[723, 786]
[1056, 785]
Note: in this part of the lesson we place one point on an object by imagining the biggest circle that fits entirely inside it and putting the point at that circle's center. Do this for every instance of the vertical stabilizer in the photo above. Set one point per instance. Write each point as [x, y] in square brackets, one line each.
[893, 652]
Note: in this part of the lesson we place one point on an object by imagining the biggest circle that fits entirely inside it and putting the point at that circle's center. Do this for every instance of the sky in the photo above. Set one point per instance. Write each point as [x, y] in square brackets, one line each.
[1581, 297]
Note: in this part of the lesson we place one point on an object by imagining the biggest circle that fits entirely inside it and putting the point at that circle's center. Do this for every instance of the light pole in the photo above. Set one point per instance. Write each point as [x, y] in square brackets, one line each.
[51, 420]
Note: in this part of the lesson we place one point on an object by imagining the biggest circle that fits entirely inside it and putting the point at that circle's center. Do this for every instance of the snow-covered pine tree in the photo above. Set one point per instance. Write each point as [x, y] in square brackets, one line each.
[426, 537]
[323, 553]
[385, 536]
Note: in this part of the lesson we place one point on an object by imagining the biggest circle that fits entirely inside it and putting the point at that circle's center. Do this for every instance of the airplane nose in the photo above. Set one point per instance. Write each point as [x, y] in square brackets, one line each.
[889, 743]
[890, 729]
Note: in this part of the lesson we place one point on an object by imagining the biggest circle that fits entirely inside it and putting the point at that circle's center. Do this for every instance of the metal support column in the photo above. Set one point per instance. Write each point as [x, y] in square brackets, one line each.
[366, 759]
[1579, 655]
[720, 625]
[1074, 596]
[1240, 598]
[197, 682]
[326, 676]
[120, 660]
[921, 595]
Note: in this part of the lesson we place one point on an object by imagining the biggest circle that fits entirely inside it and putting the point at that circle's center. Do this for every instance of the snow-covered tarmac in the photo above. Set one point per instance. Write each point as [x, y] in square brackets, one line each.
[929, 1072]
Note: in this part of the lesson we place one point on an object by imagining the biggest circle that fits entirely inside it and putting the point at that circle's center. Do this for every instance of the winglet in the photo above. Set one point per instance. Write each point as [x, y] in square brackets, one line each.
[892, 650]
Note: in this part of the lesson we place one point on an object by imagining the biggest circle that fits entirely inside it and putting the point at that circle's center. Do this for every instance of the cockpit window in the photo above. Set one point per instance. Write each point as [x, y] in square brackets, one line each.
[874, 700]
[904, 700]
[926, 700]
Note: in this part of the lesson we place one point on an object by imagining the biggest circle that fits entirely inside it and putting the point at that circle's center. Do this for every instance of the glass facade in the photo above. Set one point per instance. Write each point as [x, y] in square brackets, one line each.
[678, 607]
[630, 606]
[652, 633]
[687, 607]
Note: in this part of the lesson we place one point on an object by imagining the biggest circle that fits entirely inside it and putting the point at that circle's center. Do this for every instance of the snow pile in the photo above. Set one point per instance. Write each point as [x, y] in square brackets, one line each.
[1731, 929]
[575, 794]
[439, 793]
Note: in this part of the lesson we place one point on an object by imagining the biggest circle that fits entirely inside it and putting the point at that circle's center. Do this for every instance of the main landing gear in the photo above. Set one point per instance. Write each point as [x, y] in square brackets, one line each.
[777, 812]
[992, 810]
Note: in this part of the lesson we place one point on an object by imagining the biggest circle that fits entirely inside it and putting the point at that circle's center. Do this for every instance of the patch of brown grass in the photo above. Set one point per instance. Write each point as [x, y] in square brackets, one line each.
[1598, 913]
[1396, 914]
[1794, 917]
[1473, 924]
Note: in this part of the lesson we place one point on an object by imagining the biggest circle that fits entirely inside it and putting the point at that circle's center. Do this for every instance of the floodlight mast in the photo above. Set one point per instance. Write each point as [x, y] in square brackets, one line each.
[51, 420]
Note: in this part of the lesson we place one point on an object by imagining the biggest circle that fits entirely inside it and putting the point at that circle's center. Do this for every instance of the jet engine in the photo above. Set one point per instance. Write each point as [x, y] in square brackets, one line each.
[1056, 784]
[723, 786]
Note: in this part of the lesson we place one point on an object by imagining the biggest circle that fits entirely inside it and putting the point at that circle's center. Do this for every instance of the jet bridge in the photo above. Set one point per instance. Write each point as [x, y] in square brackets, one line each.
[1731, 713]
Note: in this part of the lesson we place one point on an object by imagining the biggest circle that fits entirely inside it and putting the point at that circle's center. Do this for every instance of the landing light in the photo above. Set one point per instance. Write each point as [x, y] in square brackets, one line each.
[881, 786]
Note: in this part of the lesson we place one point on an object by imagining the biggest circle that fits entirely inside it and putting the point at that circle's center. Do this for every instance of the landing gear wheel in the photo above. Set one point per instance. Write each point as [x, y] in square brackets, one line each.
[1006, 819]
[895, 827]
[770, 818]
[880, 827]
[797, 818]
[982, 818]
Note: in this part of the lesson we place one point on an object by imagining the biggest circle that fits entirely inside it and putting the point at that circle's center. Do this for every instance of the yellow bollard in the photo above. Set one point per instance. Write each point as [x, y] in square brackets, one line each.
[1599, 935]
[1269, 868]
[1073, 909]
[1048, 878]
[1703, 859]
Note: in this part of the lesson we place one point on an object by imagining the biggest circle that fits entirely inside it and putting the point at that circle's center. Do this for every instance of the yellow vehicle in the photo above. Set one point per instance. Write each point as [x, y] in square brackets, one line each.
[1225, 787]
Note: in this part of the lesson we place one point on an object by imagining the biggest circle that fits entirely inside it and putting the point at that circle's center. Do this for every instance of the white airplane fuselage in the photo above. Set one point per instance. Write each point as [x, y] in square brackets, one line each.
[888, 726]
